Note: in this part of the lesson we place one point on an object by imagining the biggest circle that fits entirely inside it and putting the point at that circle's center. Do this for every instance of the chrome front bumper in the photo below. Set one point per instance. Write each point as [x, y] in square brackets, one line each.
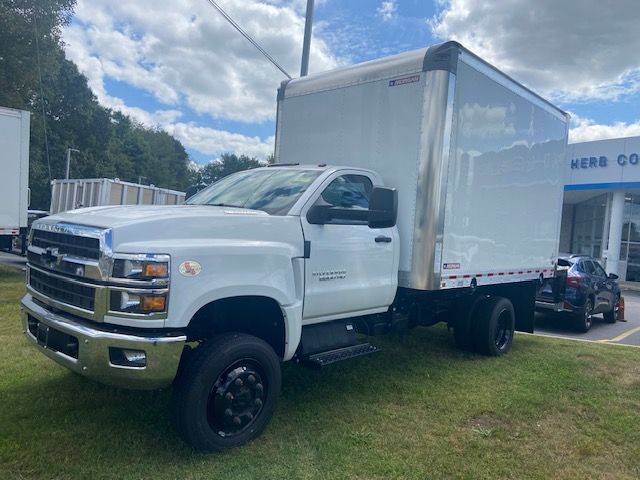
[89, 353]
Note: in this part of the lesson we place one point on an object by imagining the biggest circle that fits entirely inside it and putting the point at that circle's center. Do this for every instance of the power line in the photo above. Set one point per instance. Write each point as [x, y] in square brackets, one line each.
[44, 117]
[248, 37]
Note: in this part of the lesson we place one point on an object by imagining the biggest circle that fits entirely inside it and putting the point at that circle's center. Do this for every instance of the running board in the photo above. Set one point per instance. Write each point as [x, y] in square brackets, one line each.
[323, 359]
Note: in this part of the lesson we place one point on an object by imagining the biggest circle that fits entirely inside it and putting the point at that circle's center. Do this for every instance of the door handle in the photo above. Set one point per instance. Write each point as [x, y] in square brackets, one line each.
[383, 239]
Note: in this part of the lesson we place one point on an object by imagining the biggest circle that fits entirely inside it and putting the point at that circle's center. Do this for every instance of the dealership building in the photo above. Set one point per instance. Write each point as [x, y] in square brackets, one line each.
[601, 208]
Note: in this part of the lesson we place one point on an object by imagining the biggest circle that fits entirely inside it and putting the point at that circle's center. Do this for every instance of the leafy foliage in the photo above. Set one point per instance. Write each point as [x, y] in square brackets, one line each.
[227, 164]
[110, 143]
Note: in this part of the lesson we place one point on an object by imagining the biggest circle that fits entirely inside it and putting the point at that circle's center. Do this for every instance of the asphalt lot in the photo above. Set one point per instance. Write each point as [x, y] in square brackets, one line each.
[12, 260]
[624, 333]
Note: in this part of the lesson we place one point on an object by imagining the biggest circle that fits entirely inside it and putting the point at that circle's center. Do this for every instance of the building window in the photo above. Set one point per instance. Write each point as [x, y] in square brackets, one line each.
[588, 226]
[630, 248]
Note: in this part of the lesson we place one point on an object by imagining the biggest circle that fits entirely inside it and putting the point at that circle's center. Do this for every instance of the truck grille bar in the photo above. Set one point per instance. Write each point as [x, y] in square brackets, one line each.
[79, 246]
[64, 291]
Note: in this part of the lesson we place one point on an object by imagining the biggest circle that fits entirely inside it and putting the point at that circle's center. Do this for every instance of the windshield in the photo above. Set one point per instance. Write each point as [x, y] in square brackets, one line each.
[272, 191]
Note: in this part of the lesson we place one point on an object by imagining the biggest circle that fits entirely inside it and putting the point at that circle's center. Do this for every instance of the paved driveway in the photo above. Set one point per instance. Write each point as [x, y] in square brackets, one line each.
[627, 333]
[12, 260]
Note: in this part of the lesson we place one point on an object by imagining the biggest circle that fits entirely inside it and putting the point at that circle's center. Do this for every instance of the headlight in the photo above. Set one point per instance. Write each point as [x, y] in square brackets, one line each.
[140, 269]
[124, 301]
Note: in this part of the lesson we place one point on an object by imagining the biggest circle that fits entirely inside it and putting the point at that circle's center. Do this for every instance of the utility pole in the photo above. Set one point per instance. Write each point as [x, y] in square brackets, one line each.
[306, 43]
[69, 150]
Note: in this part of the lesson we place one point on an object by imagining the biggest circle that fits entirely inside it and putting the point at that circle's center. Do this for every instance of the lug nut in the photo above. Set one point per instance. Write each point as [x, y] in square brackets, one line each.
[237, 421]
[229, 397]
[228, 412]
[250, 416]
[238, 382]
[257, 402]
[259, 388]
[251, 379]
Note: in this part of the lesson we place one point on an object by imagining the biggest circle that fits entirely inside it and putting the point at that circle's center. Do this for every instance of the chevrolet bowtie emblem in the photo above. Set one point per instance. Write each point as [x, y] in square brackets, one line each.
[51, 255]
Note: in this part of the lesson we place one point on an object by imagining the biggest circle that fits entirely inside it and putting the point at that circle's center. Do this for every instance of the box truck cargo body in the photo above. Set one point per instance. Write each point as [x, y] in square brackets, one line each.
[14, 179]
[477, 159]
[96, 192]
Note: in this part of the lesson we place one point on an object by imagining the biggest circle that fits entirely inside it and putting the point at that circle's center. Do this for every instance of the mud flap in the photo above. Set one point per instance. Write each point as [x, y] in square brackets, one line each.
[523, 298]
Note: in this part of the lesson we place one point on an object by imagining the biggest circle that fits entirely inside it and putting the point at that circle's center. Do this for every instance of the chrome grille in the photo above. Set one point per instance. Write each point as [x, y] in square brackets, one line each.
[65, 243]
[64, 291]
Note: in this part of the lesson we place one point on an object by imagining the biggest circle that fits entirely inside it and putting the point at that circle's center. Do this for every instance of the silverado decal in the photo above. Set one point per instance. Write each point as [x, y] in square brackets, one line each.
[330, 275]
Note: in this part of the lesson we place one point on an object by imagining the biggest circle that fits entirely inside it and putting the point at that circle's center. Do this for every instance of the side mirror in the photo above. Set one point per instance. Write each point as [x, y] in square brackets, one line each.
[383, 207]
[319, 214]
[613, 276]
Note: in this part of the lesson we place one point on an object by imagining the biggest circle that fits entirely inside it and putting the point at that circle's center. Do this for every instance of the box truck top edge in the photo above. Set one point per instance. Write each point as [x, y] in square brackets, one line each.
[444, 56]
[12, 111]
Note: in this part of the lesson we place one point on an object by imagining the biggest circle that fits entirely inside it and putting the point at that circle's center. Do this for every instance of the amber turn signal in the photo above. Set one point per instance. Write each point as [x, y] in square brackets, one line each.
[155, 303]
[155, 270]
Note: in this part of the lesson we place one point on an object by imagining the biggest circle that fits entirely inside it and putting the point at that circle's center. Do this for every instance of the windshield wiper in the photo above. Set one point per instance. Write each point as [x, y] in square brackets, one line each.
[224, 205]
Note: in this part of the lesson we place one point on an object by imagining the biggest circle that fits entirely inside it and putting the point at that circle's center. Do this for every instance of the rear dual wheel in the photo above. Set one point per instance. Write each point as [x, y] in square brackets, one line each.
[488, 327]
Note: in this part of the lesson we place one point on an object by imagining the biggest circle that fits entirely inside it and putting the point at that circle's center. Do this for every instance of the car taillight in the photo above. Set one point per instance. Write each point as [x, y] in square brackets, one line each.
[574, 282]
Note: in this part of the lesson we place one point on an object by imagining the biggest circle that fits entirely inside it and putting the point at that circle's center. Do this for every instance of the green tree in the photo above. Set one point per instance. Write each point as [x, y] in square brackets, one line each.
[227, 164]
[36, 76]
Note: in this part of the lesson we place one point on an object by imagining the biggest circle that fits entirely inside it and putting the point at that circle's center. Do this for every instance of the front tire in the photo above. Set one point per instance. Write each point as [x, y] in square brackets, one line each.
[612, 315]
[226, 392]
[495, 326]
[584, 319]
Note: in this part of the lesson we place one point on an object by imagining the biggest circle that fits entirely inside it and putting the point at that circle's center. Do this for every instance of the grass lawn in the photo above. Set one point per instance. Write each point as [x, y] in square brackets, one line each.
[418, 409]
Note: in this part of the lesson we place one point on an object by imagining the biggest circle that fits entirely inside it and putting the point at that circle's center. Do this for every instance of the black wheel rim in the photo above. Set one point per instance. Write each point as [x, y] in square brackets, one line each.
[236, 398]
[503, 330]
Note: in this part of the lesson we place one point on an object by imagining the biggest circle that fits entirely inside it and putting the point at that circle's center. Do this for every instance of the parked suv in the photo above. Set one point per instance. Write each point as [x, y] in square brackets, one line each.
[582, 289]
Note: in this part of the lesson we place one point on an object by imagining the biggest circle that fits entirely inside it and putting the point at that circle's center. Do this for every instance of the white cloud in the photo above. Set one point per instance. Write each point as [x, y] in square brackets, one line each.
[485, 121]
[586, 130]
[184, 52]
[214, 142]
[570, 51]
[387, 10]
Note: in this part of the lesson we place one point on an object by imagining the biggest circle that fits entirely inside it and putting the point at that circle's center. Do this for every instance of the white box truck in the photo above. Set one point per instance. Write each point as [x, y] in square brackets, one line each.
[75, 193]
[14, 176]
[420, 188]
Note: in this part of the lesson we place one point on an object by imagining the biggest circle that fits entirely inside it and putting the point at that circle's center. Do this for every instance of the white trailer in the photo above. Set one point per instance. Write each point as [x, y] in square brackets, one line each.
[14, 179]
[76, 193]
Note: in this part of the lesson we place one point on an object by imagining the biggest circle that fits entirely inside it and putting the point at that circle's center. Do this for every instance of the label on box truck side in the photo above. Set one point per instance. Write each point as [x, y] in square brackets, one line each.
[404, 80]
[451, 266]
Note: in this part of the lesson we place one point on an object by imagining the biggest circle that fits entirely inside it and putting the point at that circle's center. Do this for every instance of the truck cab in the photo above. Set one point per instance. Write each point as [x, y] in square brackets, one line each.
[122, 294]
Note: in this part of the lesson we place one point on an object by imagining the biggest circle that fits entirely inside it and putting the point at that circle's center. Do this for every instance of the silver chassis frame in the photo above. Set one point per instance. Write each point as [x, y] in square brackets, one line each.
[435, 147]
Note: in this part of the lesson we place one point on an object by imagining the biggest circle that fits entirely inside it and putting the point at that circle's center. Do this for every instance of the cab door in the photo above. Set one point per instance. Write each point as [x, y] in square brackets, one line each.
[351, 269]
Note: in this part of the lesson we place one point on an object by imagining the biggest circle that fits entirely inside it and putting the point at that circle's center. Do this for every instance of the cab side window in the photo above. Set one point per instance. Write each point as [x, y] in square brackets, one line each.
[348, 191]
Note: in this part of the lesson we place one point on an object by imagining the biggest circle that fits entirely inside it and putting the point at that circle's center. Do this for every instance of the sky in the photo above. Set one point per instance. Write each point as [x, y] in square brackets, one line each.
[179, 66]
